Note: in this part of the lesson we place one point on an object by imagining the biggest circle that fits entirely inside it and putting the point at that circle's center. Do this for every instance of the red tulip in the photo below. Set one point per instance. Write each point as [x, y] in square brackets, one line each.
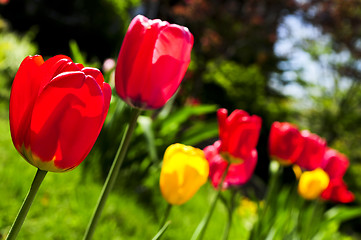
[285, 142]
[238, 135]
[239, 132]
[312, 152]
[152, 62]
[238, 173]
[57, 109]
[335, 163]
[337, 192]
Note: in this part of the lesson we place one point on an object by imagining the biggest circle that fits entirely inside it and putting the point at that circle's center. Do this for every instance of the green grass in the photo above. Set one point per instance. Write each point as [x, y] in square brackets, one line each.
[65, 202]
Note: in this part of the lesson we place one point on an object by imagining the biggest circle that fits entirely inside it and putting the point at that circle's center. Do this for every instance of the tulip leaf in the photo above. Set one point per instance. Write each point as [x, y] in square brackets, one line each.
[343, 213]
[200, 132]
[175, 119]
[77, 56]
[161, 231]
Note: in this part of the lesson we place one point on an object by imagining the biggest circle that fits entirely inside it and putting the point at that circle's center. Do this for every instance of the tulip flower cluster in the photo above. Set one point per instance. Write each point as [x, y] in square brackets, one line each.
[323, 167]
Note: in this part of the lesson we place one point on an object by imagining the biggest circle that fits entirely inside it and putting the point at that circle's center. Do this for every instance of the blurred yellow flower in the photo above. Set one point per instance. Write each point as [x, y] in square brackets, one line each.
[248, 211]
[184, 171]
[313, 183]
[297, 171]
[247, 207]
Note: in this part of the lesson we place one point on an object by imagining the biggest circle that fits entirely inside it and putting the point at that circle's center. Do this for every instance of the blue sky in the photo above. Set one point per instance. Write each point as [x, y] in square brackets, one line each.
[292, 34]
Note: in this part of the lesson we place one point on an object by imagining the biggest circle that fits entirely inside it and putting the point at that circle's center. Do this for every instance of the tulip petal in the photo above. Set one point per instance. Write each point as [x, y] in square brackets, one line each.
[216, 163]
[107, 93]
[95, 73]
[313, 151]
[105, 88]
[239, 132]
[66, 119]
[335, 163]
[170, 61]
[169, 184]
[337, 191]
[217, 166]
[175, 41]
[222, 115]
[23, 95]
[54, 66]
[136, 51]
[285, 142]
[239, 174]
[193, 180]
[244, 137]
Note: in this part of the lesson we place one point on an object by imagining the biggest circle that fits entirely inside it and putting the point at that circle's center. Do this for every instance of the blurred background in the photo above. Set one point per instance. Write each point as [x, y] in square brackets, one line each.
[283, 60]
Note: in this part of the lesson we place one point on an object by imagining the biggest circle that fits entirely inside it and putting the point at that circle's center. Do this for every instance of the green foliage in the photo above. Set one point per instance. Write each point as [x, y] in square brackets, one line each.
[122, 9]
[80, 57]
[77, 56]
[13, 49]
[237, 80]
[245, 87]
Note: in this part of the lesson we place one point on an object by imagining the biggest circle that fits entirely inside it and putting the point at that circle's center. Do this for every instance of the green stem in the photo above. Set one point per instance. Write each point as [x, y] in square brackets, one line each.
[230, 215]
[15, 228]
[201, 228]
[161, 231]
[113, 173]
[312, 219]
[264, 215]
[166, 214]
[302, 205]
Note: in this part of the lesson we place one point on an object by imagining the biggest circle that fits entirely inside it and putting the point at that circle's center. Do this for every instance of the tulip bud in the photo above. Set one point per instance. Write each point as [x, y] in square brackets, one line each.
[312, 183]
[152, 62]
[57, 109]
[184, 171]
[285, 142]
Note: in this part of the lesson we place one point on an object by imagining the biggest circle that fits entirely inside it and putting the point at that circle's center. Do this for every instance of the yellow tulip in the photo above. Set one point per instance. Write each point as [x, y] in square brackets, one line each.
[184, 171]
[313, 183]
